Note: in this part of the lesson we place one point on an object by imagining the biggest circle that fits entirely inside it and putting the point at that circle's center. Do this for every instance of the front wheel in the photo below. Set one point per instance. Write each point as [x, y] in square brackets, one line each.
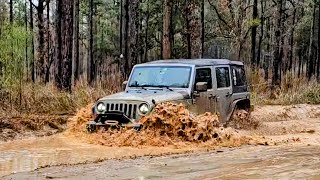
[91, 127]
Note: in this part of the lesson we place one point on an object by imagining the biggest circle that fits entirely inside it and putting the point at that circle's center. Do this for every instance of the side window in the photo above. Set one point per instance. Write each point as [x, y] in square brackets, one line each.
[204, 75]
[223, 77]
[239, 76]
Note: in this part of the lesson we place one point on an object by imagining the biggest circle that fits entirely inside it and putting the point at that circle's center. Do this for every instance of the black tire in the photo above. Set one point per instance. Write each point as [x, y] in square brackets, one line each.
[91, 128]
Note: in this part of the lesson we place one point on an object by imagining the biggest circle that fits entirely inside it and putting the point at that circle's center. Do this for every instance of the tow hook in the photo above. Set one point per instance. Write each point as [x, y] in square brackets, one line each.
[111, 123]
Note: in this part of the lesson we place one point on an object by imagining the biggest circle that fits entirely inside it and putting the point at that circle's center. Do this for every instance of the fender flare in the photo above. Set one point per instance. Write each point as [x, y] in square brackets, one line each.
[243, 103]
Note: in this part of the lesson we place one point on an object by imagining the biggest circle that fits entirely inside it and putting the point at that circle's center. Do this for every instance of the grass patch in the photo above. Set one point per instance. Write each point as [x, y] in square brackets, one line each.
[35, 98]
[291, 91]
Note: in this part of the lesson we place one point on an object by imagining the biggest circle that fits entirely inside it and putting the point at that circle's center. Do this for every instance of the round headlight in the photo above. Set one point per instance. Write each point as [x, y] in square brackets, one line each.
[144, 108]
[101, 107]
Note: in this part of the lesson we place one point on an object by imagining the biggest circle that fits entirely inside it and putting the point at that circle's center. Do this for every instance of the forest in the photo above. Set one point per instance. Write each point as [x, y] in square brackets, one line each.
[58, 55]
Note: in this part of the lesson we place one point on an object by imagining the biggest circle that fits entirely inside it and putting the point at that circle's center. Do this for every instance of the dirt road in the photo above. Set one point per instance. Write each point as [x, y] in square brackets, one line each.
[284, 162]
[291, 133]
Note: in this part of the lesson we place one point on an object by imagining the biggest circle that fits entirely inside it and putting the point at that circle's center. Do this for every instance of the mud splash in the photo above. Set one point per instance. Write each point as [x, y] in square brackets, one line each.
[168, 124]
[242, 119]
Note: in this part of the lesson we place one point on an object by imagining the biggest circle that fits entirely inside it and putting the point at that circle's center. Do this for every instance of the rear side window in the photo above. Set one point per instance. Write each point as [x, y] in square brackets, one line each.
[223, 77]
[204, 75]
[238, 76]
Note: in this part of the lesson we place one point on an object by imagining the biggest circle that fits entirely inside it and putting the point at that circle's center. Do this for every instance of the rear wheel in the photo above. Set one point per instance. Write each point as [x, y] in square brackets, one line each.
[241, 119]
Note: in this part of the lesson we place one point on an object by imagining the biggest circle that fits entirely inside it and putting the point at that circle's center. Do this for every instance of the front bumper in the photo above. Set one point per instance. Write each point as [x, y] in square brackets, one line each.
[112, 119]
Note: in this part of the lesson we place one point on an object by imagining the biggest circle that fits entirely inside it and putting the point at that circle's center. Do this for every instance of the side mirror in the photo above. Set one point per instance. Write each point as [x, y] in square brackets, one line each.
[202, 86]
[124, 85]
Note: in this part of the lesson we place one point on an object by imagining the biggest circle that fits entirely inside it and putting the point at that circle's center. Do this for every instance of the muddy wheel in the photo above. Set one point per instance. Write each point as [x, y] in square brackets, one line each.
[138, 128]
[241, 119]
[91, 128]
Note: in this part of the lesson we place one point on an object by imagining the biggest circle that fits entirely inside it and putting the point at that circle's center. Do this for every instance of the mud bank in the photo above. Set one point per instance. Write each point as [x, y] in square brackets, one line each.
[24, 126]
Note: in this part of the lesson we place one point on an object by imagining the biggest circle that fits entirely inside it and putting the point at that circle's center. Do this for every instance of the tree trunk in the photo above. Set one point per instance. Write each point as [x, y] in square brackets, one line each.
[261, 35]
[172, 28]
[33, 78]
[166, 41]
[140, 39]
[121, 27]
[193, 29]
[282, 31]
[58, 63]
[11, 11]
[202, 27]
[260, 38]
[41, 63]
[292, 40]
[318, 63]
[146, 36]
[300, 63]
[26, 50]
[64, 46]
[75, 48]
[133, 29]
[310, 68]
[276, 54]
[49, 58]
[125, 69]
[91, 62]
[269, 41]
[254, 34]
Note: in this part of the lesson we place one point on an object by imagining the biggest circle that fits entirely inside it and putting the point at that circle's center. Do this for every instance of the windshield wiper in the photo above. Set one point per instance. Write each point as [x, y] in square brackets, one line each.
[163, 86]
[142, 87]
[156, 86]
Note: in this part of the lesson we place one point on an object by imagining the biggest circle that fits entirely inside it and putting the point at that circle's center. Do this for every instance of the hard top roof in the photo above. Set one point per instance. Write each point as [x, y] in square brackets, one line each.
[197, 62]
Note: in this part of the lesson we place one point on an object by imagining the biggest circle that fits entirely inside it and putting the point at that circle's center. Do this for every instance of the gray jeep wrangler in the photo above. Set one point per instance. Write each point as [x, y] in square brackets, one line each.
[202, 85]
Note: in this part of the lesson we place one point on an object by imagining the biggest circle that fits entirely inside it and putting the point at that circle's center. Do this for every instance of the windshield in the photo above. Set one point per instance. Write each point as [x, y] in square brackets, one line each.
[161, 76]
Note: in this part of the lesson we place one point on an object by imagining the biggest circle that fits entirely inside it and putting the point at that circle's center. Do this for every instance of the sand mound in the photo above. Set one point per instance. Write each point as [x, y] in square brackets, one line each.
[168, 124]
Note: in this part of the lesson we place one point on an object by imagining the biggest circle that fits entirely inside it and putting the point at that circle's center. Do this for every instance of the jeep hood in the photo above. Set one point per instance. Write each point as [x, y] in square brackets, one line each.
[147, 96]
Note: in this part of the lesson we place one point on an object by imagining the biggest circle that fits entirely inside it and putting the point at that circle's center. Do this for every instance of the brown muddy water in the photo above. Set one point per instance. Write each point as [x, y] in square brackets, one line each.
[278, 162]
[30, 154]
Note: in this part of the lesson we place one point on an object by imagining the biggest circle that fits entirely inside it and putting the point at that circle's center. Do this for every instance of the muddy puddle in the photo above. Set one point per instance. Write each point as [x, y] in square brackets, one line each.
[276, 162]
[27, 155]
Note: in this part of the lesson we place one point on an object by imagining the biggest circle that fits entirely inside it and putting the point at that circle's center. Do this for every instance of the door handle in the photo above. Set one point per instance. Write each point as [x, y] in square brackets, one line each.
[228, 94]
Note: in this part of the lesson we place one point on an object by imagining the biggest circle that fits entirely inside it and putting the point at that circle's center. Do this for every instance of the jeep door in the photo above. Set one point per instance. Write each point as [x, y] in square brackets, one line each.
[223, 91]
[204, 101]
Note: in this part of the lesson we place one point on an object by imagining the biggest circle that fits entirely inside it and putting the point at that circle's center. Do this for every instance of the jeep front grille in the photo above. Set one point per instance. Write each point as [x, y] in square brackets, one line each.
[129, 110]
